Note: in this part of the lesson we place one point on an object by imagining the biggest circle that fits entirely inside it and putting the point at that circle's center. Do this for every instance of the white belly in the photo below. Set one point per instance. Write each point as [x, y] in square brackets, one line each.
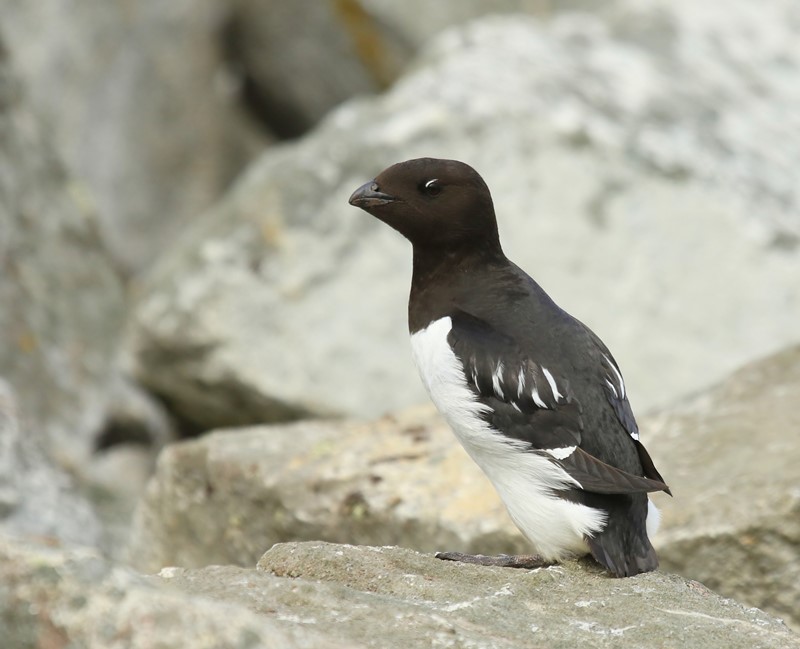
[525, 481]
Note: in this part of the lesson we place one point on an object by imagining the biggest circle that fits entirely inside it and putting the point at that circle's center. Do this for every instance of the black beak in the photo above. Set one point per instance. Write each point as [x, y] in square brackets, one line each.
[368, 196]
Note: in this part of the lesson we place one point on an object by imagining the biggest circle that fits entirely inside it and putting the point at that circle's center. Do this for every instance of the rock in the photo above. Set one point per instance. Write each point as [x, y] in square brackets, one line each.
[147, 116]
[62, 300]
[418, 22]
[160, 107]
[38, 499]
[53, 598]
[339, 45]
[621, 165]
[348, 48]
[322, 595]
[405, 480]
[571, 605]
[731, 456]
[133, 416]
[115, 479]
[62, 316]
[135, 429]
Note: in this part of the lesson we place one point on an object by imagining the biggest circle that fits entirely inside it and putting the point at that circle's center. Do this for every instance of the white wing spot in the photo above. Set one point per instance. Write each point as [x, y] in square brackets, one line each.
[520, 382]
[552, 382]
[496, 376]
[613, 389]
[617, 375]
[561, 453]
[536, 398]
[635, 435]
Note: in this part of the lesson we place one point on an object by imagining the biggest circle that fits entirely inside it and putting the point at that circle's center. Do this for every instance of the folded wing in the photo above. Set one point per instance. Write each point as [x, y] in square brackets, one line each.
[533, 403]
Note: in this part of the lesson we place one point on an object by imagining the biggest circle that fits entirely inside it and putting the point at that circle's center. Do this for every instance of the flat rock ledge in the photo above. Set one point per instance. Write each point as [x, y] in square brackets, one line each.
[730, 455]
[317, 594]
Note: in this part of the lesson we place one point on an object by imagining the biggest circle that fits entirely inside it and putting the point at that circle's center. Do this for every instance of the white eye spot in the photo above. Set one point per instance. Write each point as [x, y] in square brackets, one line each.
[431, 187]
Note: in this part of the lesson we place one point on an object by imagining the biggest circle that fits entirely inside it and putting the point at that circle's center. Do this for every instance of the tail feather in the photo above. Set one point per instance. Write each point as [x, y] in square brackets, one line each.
[623, 547]
[624, 564]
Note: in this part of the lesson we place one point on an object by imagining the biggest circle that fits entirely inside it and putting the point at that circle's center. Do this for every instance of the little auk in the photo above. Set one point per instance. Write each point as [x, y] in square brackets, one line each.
[533, 395]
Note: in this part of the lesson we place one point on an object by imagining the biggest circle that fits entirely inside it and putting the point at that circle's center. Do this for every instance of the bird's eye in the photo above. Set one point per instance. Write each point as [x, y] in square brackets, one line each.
[431, 187]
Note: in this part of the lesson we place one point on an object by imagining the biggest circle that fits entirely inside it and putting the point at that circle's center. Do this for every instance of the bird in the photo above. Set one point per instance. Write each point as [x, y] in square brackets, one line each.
[532, 394]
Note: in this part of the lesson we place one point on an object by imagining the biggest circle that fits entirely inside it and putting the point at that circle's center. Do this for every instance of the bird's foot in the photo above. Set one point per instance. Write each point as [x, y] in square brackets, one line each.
[525, 561]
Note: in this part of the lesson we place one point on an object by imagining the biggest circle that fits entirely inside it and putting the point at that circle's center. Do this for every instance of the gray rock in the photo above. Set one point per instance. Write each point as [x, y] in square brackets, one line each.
[571, 605]
[349, 47]
[140, 106]
[62, 300]
[641, 180]
[297, 70]
[62, 315]
[76, 598]
[38, 499]
[133, 416]
[135, 429]
[322, 595]
[416, 22]
[729, 456]
[402, 480]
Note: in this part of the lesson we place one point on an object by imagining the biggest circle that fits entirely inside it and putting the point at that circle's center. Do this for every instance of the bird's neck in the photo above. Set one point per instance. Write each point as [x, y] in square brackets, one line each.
[442, 262]
[452, 272]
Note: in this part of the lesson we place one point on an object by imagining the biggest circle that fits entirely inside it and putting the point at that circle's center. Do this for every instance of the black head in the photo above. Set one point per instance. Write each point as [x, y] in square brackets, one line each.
[433, 203]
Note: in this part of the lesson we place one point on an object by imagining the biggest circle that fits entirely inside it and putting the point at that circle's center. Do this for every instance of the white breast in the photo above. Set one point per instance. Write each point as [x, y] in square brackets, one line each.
[524, 480]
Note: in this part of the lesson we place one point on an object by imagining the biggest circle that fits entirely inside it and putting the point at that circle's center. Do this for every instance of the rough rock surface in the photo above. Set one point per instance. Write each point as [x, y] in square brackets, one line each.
[732, 457]
[416, 21]
[135, 429]
[571, 605]
[160, 105]
[62, 308]
[639, 174]
[56, 598]
[140, 107]
[297, 70]
[400, 480]
[729, 455]
[38, 499]
[320, 595]
[61, 301]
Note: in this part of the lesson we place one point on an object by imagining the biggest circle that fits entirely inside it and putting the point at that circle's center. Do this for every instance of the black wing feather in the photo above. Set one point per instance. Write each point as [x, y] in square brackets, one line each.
[622, 408]
[598, 477]
[528, 405]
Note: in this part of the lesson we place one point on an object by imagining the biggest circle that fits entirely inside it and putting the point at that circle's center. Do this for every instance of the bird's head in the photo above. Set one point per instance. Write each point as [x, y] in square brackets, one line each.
[433, 203]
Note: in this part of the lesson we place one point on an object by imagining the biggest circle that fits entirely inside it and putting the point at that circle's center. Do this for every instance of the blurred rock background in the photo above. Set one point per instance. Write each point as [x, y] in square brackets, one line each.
[177, 257]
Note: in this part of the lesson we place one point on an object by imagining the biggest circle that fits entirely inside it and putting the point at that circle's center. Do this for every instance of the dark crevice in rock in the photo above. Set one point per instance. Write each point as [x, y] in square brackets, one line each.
[190, 425]
[122, 431]
[265, 107]
[785, 241]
